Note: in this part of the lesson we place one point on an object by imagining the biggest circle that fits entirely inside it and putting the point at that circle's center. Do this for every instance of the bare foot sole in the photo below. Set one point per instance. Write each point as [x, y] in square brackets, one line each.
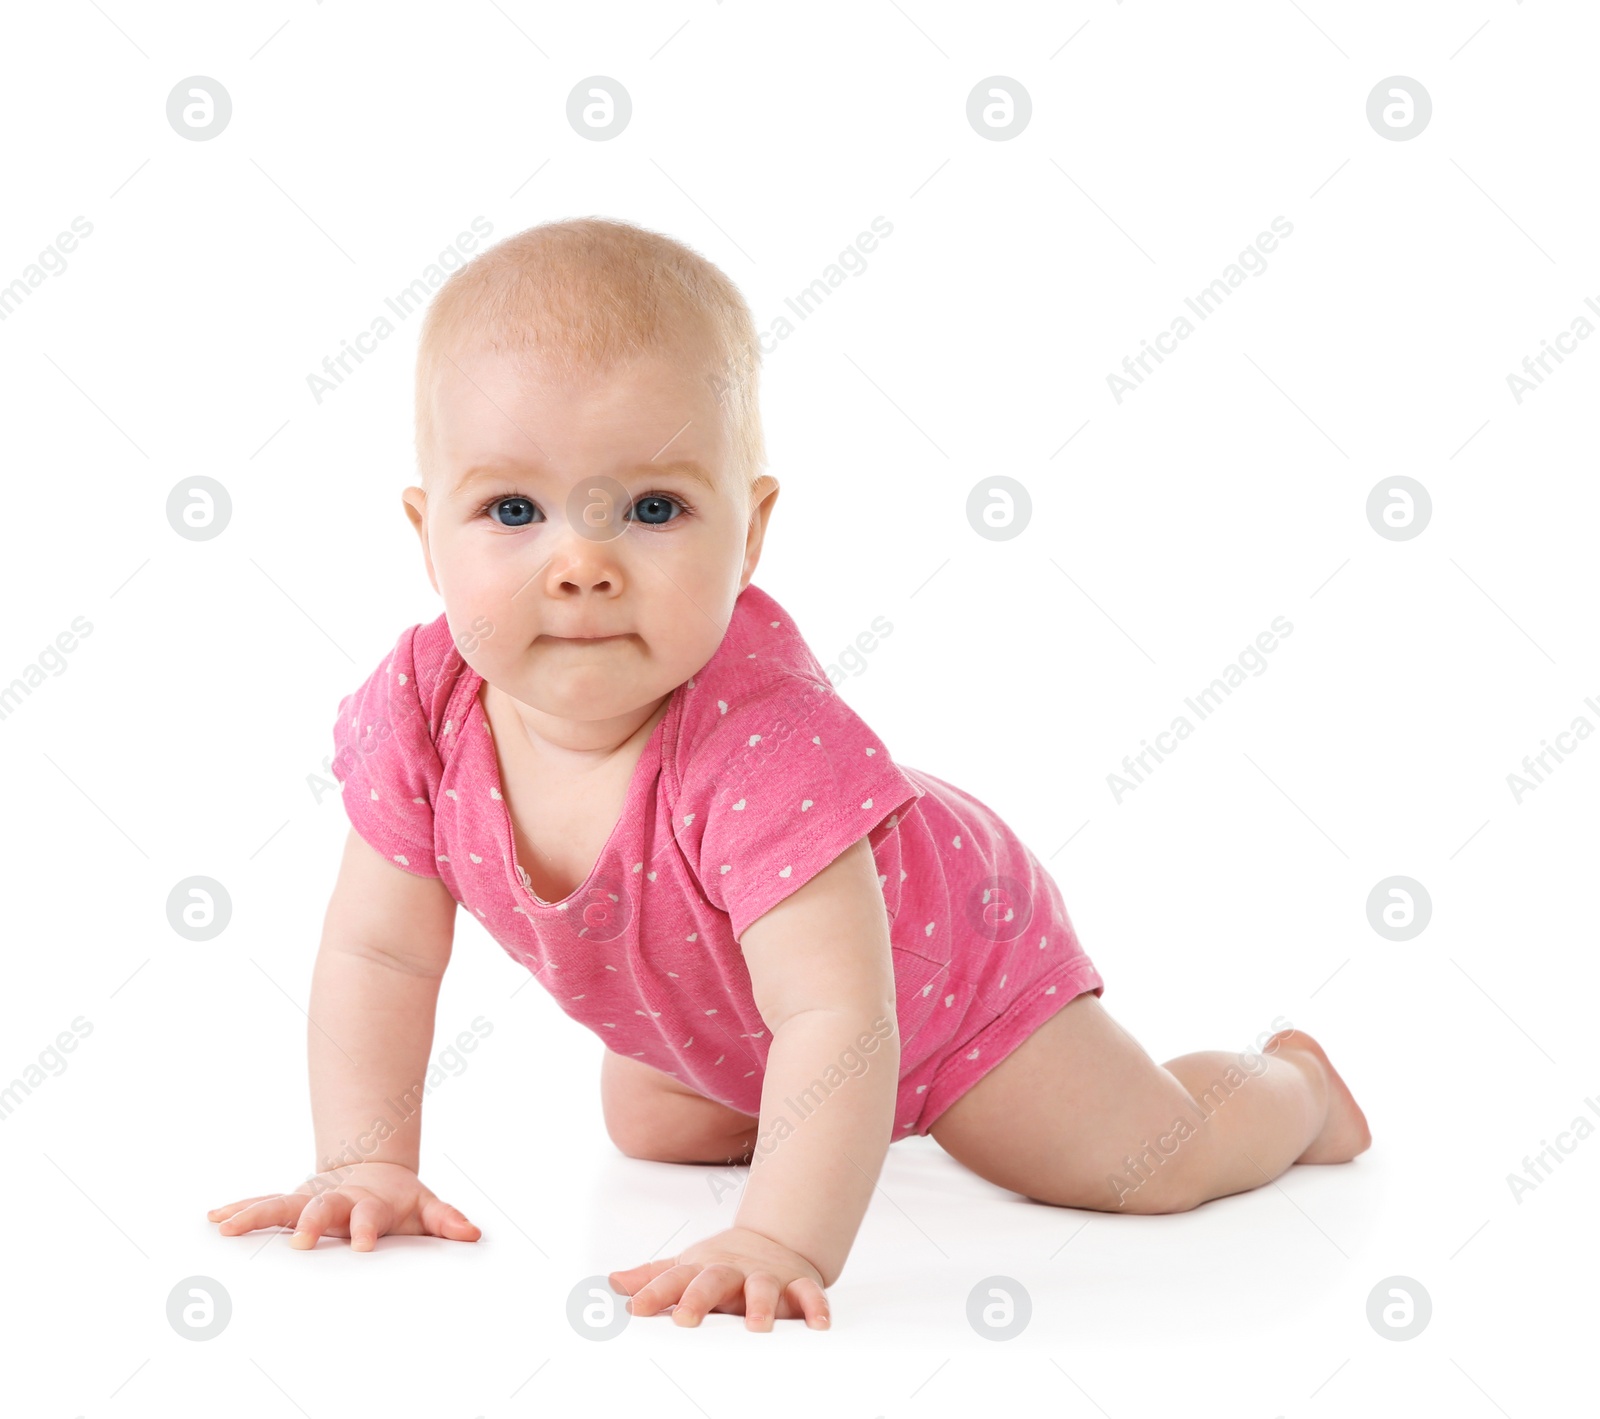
[1345, 1132]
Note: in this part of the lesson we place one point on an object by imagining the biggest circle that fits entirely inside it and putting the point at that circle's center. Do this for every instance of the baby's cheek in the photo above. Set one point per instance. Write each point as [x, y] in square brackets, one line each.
[477, 608]
[680, 645]
[471, 633]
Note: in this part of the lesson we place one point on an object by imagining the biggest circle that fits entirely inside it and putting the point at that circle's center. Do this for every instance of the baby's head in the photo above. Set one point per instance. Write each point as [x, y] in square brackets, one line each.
[591, 457]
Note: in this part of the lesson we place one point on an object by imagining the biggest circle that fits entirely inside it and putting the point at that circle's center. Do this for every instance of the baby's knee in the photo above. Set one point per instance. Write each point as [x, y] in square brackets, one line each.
[1145, 1185]
[681, 1130]
[1156, 1180]
[1172, 1192]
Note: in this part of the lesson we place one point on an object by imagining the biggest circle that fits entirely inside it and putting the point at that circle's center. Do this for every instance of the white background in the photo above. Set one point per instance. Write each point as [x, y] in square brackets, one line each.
[1230, 489]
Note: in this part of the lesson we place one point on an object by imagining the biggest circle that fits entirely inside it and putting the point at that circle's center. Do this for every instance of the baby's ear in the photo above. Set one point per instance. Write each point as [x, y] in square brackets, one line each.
[415, 501]
[763, 494]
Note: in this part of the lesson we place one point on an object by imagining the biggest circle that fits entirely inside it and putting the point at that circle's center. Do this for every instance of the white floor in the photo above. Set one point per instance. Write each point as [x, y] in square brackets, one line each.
[1252, 1305]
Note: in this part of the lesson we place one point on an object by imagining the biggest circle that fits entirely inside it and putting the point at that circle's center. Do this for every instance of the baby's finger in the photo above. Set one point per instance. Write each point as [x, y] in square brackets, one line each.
[279, 1211]
[326, 1212]
[663, 1291]
[440, 1219]
[631, 1281]
[217, 1214]
[809, 1300]
[369, 1220]
[760, 1300]
[716, 1285]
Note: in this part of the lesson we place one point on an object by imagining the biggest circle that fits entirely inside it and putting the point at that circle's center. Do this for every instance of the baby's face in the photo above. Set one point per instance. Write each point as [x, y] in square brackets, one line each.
[603, 507]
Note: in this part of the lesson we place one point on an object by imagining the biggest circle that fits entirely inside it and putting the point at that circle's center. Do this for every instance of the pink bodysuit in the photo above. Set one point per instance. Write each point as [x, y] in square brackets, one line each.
[758, 776]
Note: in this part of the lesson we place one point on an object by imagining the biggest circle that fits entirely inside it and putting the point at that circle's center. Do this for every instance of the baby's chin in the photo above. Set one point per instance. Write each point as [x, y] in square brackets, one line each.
[588, 685]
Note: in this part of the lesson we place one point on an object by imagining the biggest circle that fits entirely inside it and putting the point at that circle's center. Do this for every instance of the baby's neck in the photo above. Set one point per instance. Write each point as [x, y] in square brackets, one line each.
[564, 747]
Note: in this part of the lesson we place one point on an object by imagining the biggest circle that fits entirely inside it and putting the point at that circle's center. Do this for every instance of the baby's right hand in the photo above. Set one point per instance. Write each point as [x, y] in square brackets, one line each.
[362, 1201]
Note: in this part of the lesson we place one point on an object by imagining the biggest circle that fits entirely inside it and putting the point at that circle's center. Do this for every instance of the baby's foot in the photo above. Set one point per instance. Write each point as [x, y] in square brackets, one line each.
[1344, 1131]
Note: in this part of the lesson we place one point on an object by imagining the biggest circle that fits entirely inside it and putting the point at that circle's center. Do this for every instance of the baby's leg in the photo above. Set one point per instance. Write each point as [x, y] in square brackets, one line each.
[1080, 1116]
[651, 1115]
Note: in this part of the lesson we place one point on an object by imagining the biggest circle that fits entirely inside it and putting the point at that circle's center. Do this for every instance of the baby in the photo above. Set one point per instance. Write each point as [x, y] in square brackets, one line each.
[622, 757]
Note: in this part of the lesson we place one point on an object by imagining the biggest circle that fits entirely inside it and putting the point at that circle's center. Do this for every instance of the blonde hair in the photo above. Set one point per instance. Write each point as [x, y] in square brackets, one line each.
[586, 294]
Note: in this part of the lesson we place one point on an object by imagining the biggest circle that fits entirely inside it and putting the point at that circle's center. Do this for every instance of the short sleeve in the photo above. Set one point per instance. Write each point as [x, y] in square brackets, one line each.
[387, 764]
[787, 780]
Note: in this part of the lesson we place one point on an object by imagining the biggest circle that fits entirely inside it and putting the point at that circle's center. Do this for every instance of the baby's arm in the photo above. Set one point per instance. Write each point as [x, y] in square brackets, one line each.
[822, 972]
[386, 941]
[823, 976]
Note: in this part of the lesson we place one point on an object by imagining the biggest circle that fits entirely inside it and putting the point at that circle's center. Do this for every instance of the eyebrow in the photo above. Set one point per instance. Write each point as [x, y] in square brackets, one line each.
[685, 467]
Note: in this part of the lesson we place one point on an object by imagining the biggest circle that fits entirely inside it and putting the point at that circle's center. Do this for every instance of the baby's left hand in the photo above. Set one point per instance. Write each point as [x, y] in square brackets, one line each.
[739, 1272]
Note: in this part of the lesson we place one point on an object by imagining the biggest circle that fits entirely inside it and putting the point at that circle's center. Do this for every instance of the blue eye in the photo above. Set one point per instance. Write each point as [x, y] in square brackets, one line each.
[655, 509]
[519, 510]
